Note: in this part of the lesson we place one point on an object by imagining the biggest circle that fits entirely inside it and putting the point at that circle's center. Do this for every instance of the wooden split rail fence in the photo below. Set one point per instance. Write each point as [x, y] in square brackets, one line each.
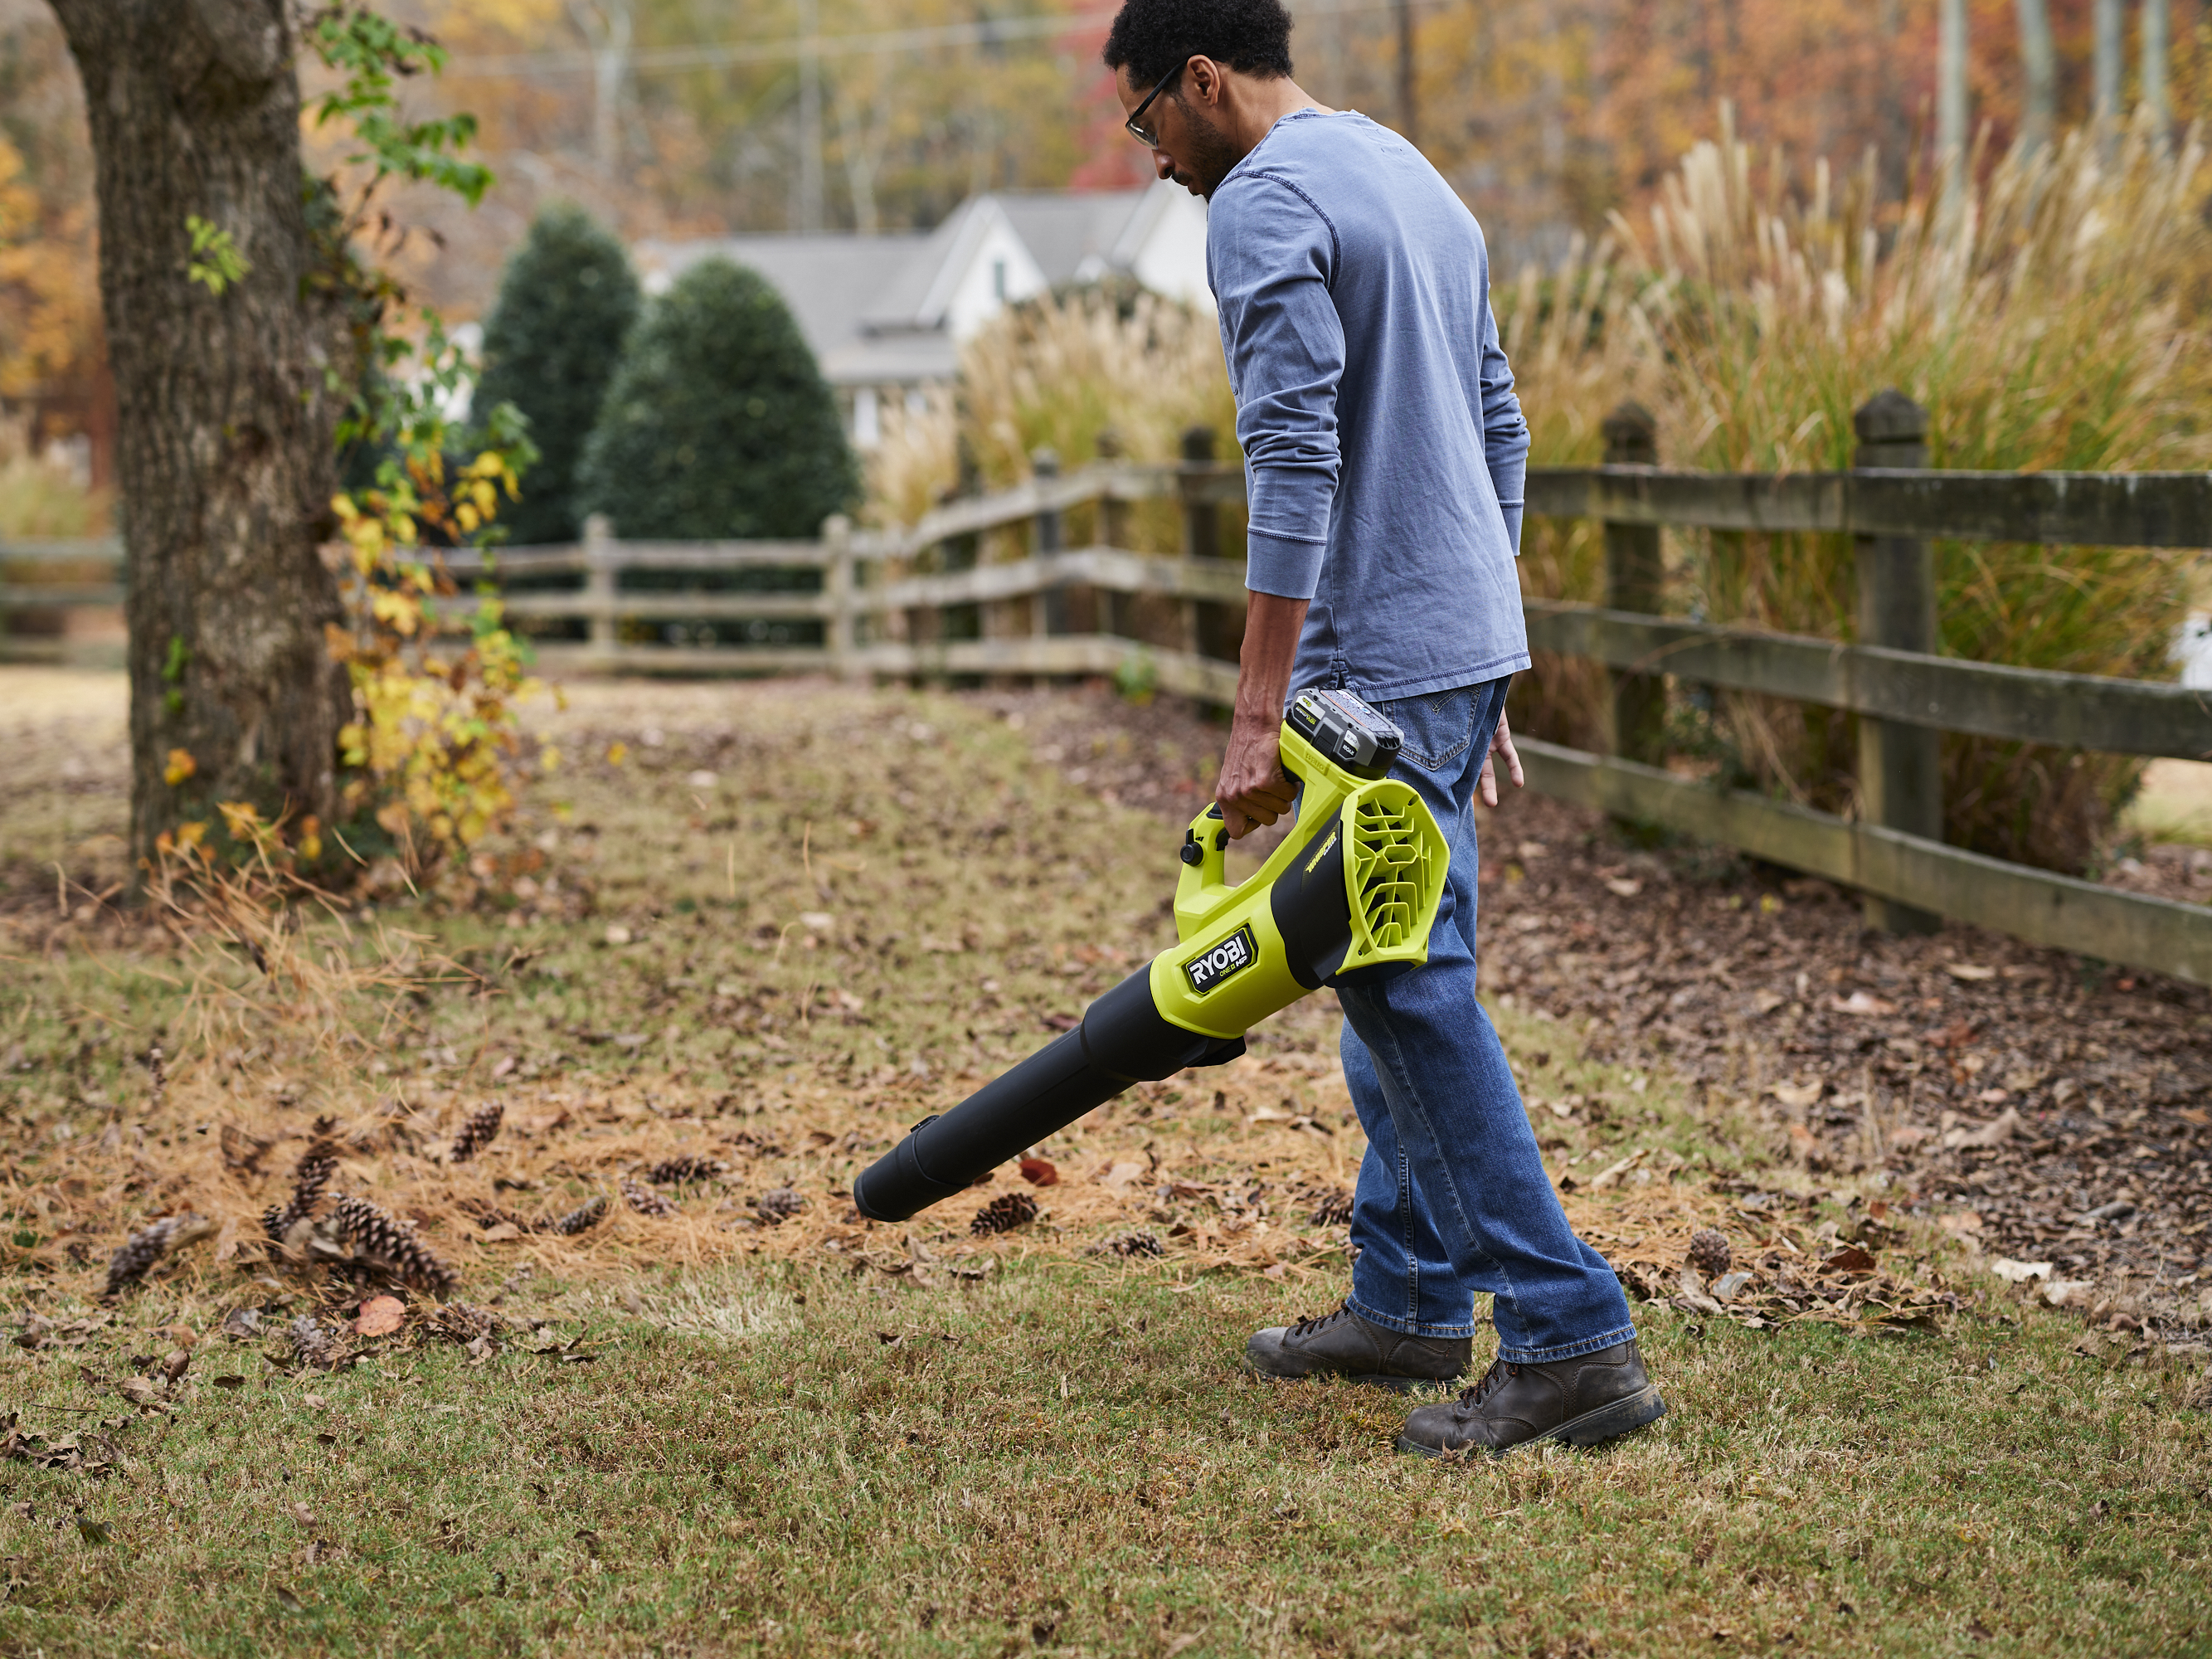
[926, 603]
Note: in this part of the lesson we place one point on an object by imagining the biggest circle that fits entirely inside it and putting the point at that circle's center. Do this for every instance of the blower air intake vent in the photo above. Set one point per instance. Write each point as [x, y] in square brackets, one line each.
[1394, 869]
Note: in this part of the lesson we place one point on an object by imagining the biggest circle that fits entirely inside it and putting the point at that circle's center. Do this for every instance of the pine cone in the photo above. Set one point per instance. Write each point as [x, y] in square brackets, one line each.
[1709, 1252]
[1131, 1244]
[150, 1244]
[309, 1176]
[477, 1132]
[386, 1245]
[580, 1219]
[310, 1343]
[644, 1200]
[1004, 1214]
[669, 1172]
[1334, 1210]
[779, 1206]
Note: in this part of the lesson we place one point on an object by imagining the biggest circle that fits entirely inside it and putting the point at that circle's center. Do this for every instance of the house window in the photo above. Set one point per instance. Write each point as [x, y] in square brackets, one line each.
[867, 421]
[999, 281]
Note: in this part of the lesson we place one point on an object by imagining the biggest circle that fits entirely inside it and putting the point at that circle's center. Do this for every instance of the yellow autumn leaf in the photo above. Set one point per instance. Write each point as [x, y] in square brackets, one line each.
[548, 758]
[181, 766]
[617, 753]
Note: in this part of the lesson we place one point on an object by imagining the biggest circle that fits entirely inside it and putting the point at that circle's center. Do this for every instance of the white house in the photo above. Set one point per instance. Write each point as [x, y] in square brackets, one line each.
[886, 315]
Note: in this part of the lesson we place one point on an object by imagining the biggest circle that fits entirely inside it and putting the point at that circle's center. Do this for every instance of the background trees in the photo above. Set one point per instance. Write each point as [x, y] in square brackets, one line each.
[567, 302]
[718, 423]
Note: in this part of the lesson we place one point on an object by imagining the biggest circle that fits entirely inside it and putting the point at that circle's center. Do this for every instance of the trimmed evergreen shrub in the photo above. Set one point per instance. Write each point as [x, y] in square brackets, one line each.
[566, 304]
[718, 422]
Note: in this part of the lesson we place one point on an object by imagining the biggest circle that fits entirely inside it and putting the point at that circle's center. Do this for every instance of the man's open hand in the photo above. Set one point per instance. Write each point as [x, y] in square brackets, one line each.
[1501, 746]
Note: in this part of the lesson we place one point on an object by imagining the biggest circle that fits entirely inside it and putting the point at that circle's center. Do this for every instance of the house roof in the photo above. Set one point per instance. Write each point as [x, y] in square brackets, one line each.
[890, 309]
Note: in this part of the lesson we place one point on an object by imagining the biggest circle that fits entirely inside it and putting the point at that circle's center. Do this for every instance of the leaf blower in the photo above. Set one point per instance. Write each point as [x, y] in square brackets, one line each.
[1354, 887]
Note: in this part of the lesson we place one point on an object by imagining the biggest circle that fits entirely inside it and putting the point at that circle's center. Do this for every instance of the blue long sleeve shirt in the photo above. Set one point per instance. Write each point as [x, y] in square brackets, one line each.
[1384, 448]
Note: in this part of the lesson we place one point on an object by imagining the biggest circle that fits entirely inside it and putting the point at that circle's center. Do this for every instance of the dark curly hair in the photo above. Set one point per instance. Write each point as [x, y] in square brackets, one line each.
[1150, 36]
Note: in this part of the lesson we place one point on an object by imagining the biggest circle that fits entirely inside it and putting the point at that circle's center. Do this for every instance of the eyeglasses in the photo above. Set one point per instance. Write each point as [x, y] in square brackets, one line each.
[1150, 137]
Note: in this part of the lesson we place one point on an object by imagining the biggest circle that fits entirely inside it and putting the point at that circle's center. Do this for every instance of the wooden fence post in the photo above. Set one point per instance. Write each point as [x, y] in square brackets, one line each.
[1900, 766]
[1208, 629]
[599, 555]
[1635, 575]
[1054, 605]
[837, 586]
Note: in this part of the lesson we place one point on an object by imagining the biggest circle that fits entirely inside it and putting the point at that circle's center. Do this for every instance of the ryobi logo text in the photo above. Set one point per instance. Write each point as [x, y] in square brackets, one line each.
[1232, 956]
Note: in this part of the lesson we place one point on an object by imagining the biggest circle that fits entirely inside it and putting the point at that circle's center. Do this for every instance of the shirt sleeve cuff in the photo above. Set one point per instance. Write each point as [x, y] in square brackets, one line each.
[1281, 565]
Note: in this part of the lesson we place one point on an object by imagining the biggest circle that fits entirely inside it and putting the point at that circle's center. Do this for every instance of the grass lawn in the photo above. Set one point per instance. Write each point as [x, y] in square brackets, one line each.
[777, 928]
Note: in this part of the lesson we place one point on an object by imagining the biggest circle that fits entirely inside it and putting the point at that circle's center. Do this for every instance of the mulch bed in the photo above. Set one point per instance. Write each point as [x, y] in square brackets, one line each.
[2050, 1108]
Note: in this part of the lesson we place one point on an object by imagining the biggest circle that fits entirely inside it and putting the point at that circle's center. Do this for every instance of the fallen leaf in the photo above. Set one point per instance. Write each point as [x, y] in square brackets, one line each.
[233, 1381]
[242, 1322]
[1909, 1134]
[1626, 886]
[139, 1391]
[1961, 1222]
[2196, 1114]
[2015, 1271]
[1767, 1001]
[1614, 1172]
[381, 1315]
[1120, 1176]
[314, 1403]
[1798, 1095]
[1039, 1173]
[95, 1532]
[1993, 1133]
[303, 1515]
[501, 1232]
[1849, 1259]
[1969, 970]
[2068, 1292]
[1862, 1005]
[289, 1601]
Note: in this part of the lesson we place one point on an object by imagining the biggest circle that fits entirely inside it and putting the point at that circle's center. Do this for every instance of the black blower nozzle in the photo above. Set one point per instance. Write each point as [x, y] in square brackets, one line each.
[1121, 1041]
[1353, 888]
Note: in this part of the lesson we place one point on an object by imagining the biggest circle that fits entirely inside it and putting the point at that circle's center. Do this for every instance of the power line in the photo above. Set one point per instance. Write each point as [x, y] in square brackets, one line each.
[729, 53]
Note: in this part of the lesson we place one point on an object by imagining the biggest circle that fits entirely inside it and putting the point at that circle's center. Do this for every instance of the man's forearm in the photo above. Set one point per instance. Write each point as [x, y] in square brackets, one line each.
[1272, 626]
[1253, 789]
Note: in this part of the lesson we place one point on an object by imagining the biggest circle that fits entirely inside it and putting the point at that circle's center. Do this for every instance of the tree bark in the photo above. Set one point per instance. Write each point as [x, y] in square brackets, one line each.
[2155, 49]
[2106, 61]
[224, 468]
[2039, 61]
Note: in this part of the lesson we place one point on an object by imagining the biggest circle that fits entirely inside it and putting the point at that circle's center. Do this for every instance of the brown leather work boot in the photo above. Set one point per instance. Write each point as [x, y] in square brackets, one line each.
[1582, 1401]
[1342, 1344]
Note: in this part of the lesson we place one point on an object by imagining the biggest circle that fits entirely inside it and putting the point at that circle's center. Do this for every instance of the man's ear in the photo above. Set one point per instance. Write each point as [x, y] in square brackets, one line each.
[1204, 77]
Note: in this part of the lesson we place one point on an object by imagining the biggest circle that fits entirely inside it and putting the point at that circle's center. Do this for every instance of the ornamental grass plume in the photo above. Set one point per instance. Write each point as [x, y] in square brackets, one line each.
[2053, 312]
[1059, 372]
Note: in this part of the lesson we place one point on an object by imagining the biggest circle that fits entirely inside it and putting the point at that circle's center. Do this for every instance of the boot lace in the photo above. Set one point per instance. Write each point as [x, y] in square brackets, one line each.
[1304, 1326]
[1493, 1379]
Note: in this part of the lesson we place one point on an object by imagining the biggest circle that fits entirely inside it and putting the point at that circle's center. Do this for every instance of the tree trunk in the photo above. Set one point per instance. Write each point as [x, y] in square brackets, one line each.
[1951, 85]
[2151, 84]
[2106, 61]
[2039, 62]
[224, 469]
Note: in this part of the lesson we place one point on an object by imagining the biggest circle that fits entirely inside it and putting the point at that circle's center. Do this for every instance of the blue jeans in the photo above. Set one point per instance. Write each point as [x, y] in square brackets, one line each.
[1452, 1197]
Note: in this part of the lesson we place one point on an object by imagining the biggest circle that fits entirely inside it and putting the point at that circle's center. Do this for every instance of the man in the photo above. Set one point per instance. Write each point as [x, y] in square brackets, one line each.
[1385, 452]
